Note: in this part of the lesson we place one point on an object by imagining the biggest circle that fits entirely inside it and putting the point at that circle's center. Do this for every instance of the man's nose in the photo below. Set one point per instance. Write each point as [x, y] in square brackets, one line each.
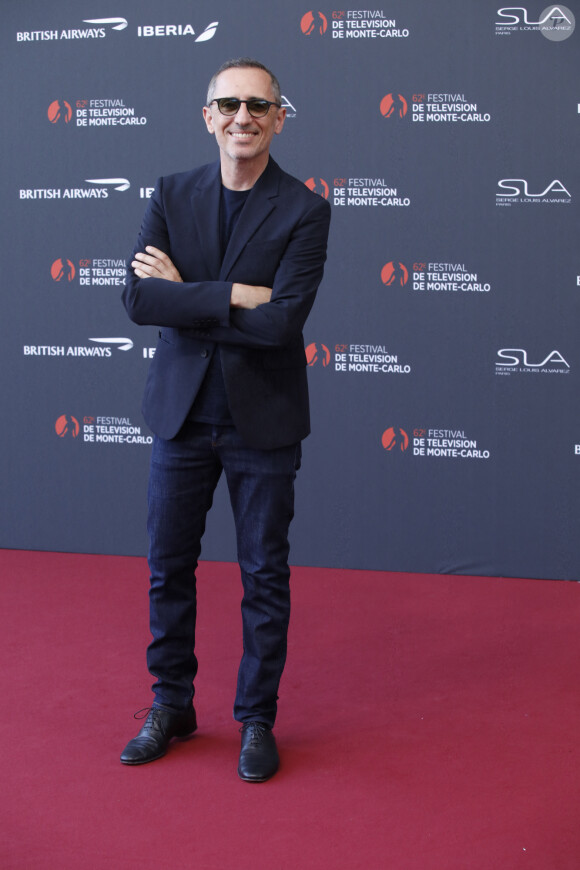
[242, 115]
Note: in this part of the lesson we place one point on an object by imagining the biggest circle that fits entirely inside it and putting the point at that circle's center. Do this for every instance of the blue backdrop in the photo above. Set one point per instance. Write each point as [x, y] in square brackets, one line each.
[443, 346]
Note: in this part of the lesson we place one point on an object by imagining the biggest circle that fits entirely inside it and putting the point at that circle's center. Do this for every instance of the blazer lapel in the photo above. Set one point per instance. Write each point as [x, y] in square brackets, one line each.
[205, 204]
[259, 205]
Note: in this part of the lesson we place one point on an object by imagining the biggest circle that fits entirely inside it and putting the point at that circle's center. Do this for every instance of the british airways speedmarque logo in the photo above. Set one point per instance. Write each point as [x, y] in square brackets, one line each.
[99, 31]
[99, 28]
[115, 23]
[99, 190]
[117, 183]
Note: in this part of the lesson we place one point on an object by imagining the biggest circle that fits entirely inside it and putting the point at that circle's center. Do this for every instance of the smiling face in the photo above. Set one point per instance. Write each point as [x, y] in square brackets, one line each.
[244, 142]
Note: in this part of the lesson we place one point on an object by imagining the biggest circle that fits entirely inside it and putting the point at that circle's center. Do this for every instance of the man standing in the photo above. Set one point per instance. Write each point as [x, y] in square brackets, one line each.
[227, 264]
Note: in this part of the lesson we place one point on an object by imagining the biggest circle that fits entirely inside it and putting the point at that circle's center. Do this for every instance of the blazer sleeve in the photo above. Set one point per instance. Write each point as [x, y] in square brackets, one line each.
[280, 321]
[157, 302]
[202, 308]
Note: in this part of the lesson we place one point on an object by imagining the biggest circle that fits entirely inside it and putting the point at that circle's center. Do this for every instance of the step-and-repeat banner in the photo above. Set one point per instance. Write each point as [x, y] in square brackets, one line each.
[443, 348]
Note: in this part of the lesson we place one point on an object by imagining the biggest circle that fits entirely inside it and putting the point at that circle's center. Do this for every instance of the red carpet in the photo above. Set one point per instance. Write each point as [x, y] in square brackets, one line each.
[426, 723]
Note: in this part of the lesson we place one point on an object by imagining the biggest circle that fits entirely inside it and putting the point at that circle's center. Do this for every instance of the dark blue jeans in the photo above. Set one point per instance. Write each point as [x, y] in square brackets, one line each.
[184, 474]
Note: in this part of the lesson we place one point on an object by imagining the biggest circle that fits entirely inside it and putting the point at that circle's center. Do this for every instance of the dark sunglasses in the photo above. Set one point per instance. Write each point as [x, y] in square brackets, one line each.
[231, 105]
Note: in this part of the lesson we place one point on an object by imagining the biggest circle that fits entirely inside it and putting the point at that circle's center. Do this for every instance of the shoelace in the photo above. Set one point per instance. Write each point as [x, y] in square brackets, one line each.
[256, 729]
[143, 712]
[154, 712]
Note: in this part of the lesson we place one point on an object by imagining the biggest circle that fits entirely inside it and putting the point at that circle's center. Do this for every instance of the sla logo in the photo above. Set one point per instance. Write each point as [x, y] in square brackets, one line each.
[286, 104]
[393, 106]
[556, 23]
[62, 270]
[319, 186]
[59, 110]
[313, 23]
[393, 438]
[67, 426]
[317, 353]
[516, 359]
[394, 273]
[517, 189]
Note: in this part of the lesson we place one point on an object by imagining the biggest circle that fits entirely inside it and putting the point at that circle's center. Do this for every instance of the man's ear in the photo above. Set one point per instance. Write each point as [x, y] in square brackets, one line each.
[280, 120]
[207, 117]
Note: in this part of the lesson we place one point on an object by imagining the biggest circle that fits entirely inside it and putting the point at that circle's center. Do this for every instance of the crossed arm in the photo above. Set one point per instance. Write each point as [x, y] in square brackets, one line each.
[154, 263]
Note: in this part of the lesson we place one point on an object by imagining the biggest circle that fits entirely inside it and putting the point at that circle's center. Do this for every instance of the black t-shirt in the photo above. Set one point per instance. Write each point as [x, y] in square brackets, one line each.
[211, 402]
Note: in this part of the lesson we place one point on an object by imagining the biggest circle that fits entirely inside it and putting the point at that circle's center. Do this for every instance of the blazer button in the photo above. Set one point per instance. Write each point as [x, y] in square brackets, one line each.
[204, 353]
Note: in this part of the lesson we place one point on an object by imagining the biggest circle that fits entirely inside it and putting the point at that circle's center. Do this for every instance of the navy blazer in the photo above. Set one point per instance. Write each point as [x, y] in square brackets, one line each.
[279, 242]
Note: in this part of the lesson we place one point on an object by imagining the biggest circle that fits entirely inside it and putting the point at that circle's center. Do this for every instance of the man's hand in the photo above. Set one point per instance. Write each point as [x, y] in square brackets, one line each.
[155, 264]
[248, 296]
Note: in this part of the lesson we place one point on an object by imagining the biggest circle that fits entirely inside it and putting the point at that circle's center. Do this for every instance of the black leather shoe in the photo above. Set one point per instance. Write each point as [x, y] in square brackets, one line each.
[160, 727]
[259, 757]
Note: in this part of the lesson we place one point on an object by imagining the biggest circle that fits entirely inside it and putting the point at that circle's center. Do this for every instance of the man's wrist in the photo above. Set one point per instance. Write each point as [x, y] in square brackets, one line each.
[237, 296]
